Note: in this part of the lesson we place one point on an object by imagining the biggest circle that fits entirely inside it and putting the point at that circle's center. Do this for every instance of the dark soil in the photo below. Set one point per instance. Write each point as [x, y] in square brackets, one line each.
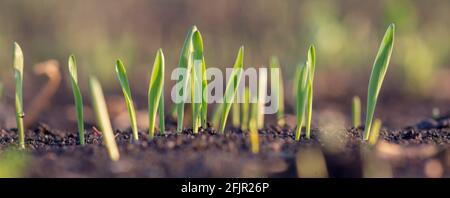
[406, 153]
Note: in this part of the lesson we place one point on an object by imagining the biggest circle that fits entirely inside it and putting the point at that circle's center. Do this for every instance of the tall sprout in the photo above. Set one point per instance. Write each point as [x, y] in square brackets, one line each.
[246, 109]
[185, 65]
[18, 75]
[278, 90]
[356, 112]
[232, 87]
[102, 117]
[301, 97]
[155, 91]
[77, 98]
[198, 83]
[253, 127]
[377, 76]
[311, 63]
[123, 80]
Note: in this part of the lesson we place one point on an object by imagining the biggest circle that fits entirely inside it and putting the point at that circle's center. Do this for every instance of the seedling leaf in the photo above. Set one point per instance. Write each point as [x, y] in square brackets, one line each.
[102, 117]
[377, 76]
[78, 99]
[155, 90]
[123, 79]
[185, 64]
[18, 75]
[301, 98]
[232, 87]
[311, 63]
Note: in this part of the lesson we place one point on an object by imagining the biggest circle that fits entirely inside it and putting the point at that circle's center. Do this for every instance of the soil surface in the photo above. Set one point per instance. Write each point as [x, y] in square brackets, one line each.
[417, 151]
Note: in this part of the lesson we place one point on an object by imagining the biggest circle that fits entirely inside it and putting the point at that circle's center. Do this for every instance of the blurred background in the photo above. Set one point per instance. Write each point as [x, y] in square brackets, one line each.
[346, 33]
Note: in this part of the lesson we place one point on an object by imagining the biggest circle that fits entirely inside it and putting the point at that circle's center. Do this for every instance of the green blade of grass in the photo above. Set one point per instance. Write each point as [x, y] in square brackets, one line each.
[197, 77]
[184, 63]
[123, 79]
[232, 87]
[198, 54]
[78, 99]
[18, 75]
[301, 98]
[312, 67]
[253, 128]
[278, 90]
[102, 117]
[379, 69]
[245, 109]
[356, 112]
[155, 91]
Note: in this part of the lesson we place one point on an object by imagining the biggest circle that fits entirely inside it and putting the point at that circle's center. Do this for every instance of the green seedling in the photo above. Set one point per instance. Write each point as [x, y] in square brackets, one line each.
[18, 75]
[198, 83]
[377, 76]
[123, 80]
[236, 114]
[311, 63]
[102, 117]
[375, 133]
[301, 98]
[184, 63]
[232, 87]
[356, 112]
[155, 91]
[278, 91]
[245, 109]
[253, 127]
[77, 98]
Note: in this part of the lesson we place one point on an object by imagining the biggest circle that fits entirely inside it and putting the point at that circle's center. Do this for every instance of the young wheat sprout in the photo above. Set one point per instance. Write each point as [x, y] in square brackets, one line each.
[184, 63]
[245, 109]
[232, 87]
[77, 98]
[102, 117]
[377, 76]
[18, 75]
[198, 83]
[253, 127]
[311, 63]
[155, 91]
[301, 98]
[123, 80]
